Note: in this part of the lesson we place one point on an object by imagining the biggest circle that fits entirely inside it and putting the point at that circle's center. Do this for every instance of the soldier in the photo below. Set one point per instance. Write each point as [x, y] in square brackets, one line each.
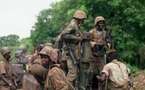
[115, 72]
[56, 79]
[7, 76]
[35, 57]
[39, 67]
[100, 40]
[71, 38]
[85, 70]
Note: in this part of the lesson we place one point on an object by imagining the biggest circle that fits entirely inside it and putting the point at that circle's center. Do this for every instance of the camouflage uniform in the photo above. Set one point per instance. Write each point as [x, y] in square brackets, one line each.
[56, 79]
[30, 83]
[85, 69]
[7, 74]
[117, 73]
[72, 68]
[71, 37]
[100, 41]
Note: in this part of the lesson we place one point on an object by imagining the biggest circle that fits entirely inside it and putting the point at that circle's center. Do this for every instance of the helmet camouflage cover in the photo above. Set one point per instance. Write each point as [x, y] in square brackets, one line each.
[5, 50]
[79, 14]
[51, 52]
[99, 18]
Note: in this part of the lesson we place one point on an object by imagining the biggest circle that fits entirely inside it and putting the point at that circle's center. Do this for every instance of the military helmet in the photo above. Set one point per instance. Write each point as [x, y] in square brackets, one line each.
[46, 50]
[99, 18]
[79, 14]
[5, 50]
[48, 44]
[51, 52]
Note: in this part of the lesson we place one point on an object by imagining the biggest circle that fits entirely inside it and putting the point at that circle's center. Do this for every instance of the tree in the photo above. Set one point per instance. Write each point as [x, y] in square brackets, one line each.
[9, 41]
[124, 18]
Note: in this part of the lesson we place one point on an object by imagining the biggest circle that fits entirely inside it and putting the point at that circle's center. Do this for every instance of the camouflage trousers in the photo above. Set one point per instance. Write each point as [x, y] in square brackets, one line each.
[72, 71]
[85, 76]
[97, 66]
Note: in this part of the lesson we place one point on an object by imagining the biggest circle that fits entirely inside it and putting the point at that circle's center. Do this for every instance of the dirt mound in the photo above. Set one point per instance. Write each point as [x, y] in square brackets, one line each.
[139, 81]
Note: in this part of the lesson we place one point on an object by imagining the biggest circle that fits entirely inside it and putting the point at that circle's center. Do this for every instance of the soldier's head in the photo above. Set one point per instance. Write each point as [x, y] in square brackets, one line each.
[5, 51]
[111, 55]
[22, 48]
[49, 54]
[100, 22]
[79, 16]
[44, 53]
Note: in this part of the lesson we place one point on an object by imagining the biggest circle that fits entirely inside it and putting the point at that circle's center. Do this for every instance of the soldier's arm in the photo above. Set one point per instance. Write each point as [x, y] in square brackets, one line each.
[2, 77]
[91, 35]
[71, 37]
[93, 43]
[102, 77]
[69, 34]
[104, 74]
[58, 42]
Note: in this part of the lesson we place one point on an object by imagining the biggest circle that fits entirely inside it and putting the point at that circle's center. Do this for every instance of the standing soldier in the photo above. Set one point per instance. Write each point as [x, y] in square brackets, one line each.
[100, 42]
[115, 73]
[71, 38]
[85, 70]
[7, 76]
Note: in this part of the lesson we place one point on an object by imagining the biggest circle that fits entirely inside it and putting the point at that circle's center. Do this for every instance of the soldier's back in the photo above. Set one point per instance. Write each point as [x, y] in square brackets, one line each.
[56, 80]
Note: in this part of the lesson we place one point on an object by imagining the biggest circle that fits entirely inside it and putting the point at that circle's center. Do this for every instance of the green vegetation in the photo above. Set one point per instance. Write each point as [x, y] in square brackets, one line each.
[125, 18]
[9, 41]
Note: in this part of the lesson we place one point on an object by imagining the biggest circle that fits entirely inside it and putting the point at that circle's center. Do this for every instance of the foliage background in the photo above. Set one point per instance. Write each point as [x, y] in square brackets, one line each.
[125, 19]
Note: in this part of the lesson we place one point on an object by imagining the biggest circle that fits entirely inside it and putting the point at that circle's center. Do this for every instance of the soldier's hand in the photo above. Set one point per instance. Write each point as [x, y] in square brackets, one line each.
[109, 45]
[12, 86]
[93, 44]
[79, 38]
[98, 77]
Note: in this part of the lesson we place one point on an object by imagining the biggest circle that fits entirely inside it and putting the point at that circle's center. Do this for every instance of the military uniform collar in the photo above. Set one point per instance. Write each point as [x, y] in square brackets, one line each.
[114, 60]
[55, 65]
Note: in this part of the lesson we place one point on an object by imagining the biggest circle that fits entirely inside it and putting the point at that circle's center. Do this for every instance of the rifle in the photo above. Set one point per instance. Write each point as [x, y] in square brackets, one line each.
[13, 87]
[72, 55]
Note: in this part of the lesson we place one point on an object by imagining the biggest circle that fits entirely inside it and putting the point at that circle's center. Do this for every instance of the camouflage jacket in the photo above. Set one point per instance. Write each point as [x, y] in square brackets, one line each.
[100, 37]
[70, 38]
[56, 80]
[101, 41]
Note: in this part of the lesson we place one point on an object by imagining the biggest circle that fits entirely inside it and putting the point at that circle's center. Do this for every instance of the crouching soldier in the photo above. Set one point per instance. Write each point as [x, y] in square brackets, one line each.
[7, 76]
[56, 79]
[115, 72]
